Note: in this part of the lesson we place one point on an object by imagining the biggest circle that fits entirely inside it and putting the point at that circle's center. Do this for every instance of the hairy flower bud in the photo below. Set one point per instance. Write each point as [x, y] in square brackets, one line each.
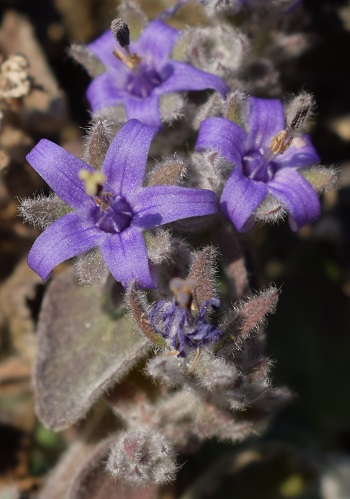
[142, 456]
[298, 112]
[214, 373]
[97, 140]
[220, 50]
[169, 369]
[42, 210]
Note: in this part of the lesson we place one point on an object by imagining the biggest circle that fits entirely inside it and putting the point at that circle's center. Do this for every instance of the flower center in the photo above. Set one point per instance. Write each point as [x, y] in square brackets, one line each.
[256, 167]
[142, 80]
[142, 77]
[113, 213]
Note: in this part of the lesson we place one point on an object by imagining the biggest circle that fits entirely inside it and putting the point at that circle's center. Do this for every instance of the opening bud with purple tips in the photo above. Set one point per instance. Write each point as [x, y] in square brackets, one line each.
[142, 456]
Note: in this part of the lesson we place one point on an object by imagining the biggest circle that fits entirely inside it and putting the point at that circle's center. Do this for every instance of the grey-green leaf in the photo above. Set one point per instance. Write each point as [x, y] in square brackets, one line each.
[84, 348]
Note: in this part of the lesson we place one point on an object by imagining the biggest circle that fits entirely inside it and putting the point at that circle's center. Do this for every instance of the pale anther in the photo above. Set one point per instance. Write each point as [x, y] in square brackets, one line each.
[92, 181]
[280, 142]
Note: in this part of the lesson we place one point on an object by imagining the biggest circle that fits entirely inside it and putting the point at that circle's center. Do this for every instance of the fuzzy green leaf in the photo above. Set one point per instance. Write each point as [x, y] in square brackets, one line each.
[84, 348]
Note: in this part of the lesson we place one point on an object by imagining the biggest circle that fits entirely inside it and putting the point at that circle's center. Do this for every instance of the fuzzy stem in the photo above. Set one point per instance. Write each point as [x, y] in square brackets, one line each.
[233, 259]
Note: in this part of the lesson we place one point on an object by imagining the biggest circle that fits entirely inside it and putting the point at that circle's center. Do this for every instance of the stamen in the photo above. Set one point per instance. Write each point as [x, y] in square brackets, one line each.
[103, 200]
[183, 291]
[298, 111]
[170, 354]
[195, 361]
[298, 119]
[93, 181]
[280, 142]
[130, 60]
[121, 33]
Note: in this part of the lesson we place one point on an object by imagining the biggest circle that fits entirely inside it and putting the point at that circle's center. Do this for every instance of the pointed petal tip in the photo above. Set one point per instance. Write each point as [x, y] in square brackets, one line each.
[43, 143]
[127, 259]
[31, 260]
[298, 197]
[240, 198]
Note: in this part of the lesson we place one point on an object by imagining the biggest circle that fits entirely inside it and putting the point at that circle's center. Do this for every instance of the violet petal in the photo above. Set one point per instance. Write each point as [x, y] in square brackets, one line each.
[156, 42]
[106, 90]
[300, 154]
[185, 78]
[126, 257]
[223, 136]
[60, 171]
[158, 205]
[145, 110]
[103, 48]
[125, 160]
[240, 198]
[266, 118]
[296, 195]
[67, 237]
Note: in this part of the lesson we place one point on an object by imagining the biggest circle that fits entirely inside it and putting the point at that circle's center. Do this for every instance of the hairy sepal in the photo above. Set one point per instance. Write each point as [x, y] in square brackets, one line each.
[97, 141]
[170, 171]
[203, 271]
[82, 55]
[321, 178]
[41, 211]
[246, 317]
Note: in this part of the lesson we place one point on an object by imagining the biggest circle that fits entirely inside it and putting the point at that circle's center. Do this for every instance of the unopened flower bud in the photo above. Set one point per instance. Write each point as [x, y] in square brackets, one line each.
[214, 373]
[141, 457]
[169, 369]
[121, 32]
[298, 111]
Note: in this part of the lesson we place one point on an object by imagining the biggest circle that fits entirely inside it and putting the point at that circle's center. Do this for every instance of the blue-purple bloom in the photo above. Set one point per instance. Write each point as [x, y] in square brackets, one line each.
[256, 170]
[180, 328]
[113, 219]
[139, 85]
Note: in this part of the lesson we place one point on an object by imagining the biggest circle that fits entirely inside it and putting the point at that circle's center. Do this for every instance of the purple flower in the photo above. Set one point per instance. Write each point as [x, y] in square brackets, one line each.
[257, 170]
[113, 217]
[180, 328]
[143, 72]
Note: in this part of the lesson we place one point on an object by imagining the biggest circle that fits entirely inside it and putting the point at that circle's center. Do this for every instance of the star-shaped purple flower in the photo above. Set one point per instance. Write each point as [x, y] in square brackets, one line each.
[115, 216]
[257, 171]
[145, 73]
